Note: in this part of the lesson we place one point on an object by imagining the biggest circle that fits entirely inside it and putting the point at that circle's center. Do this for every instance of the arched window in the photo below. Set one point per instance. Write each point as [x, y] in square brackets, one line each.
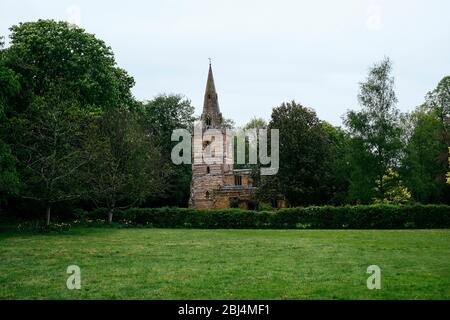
[208, 170]
[207, 195]
[208, 121]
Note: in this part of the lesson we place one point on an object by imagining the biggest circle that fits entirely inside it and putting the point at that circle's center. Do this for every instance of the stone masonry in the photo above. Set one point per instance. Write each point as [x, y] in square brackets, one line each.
[215, 184]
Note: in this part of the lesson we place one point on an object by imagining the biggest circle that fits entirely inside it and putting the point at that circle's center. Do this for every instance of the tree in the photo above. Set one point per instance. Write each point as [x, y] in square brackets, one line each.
[46, 140]
[425, 163]
[376, 134]
[161, 116]
[268, 187]
[303, 150]
[46, 52]
[126, 167]
[256, 123]
[239, 136]
[397, 192]
[67, 78]
[337, 175]
[9, 178]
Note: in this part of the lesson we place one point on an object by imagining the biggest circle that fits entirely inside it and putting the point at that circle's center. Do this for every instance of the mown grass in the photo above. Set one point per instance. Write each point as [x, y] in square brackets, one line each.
[226, 264]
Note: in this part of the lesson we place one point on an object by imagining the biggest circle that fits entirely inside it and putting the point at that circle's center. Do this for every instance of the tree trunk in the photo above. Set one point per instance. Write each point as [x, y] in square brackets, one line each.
[110, 215]
[47, 215]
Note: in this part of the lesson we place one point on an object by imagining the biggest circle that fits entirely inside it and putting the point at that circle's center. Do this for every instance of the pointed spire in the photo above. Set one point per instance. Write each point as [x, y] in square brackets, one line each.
[211, 115]
[210, 87]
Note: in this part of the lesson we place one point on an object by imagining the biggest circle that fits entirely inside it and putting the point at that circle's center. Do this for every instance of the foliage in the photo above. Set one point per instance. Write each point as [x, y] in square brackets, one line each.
[426, 154]
[304, 150]
[125, 166]
[337, 175]
[39, 227]
[161, 116]
[396, 192]
[46, 140]
[376, 134]
[67, 78]
[256, 123]
[46, 52]
[381, 216]
[9, 178]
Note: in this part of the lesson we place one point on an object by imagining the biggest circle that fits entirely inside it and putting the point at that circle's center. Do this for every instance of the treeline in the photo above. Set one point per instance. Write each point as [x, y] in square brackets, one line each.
[381, 156]
[73, 136]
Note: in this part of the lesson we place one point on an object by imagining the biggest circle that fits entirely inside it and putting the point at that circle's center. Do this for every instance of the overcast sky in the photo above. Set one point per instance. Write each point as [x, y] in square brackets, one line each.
[263, 52]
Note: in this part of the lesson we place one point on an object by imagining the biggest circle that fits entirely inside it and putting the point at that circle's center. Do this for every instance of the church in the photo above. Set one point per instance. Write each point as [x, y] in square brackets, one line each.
[217, 185]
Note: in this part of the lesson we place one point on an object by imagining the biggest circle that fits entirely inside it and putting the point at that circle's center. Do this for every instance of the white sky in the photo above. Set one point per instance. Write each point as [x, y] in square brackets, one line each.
[264, 52]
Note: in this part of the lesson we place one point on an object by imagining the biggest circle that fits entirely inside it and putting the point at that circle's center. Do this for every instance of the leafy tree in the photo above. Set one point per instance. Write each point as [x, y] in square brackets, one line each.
[161, 116]
[304, 149]
[376, 134]
[9, 179]
[256, 123]
[269, 190]
[229, 124]
[396, 192]
[46, 140]
[337, 175]
[425, 163]
[125, 166]
[67, 77]
[239, 136]
[46, 52]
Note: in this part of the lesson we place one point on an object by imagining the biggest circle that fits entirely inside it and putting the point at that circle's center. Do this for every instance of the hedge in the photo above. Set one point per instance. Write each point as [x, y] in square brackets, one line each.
[324, 217]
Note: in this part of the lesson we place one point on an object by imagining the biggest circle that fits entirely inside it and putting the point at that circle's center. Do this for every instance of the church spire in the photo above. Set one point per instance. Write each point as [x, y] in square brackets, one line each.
[211, 115]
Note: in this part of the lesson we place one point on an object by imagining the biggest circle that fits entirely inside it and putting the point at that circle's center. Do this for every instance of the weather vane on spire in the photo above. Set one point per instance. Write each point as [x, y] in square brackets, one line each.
[209, 61]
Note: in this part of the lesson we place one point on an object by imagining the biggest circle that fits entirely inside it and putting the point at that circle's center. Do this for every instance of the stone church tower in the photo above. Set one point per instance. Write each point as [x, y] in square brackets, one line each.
[216, 185]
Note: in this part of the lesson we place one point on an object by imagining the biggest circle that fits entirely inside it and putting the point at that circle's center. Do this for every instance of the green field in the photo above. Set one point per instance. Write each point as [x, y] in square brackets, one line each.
[226, 264]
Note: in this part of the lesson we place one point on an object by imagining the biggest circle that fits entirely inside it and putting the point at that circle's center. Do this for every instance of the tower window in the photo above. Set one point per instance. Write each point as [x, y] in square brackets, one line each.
[208, 170]
[237, 180]
[207, 195]
[208, 121]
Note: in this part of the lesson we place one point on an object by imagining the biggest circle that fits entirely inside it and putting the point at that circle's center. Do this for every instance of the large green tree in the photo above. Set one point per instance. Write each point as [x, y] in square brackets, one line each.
[47, 139]
[9, 178]
[337, 175]
[125, 167]
[46, 52]
[161, 116]
[304, 149]
[426, 155]
[68, 77]
[376, 134]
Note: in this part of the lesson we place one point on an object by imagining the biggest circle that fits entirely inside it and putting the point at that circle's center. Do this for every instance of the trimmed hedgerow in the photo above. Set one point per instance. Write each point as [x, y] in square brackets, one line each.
[324, 217]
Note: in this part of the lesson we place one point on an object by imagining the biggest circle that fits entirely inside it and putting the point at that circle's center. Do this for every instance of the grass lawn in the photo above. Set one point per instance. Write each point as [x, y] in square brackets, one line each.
[226, 264]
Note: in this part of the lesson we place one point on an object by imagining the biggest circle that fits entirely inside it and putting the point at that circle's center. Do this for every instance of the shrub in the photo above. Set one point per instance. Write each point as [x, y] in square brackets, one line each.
[40, 227]
[380, 216]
